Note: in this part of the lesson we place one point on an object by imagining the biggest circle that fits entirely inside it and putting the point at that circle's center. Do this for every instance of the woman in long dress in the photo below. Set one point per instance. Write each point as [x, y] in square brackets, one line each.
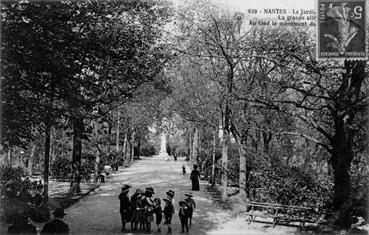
[195, 179]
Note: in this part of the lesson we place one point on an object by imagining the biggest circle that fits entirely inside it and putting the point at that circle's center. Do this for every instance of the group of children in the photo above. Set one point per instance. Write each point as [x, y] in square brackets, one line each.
[142, 206]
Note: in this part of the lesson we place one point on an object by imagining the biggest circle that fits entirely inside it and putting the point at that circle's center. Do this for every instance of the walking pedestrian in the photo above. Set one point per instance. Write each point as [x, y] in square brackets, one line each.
[195, 179]
[125, 206]
[183, 169]
[183, 215]
[57, 225]
[158, 213]
[168, 213]
[191, 206]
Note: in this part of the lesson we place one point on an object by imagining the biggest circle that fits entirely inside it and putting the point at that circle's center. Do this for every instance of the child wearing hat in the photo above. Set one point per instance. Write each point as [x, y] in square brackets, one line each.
[125, 206]
[149, 207]
[168, 213]
[191, 206]
[183, 215]
[158, 213]
[138, 210]
[170, 193]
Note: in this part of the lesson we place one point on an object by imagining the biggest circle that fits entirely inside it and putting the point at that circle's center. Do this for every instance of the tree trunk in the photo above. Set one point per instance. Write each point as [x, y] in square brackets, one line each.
[78, 129]
[124, 150]
[109, 139]
[132, 146]
[213, 156]
[267, 137]
[96, 167]
[47, 161]
[342, 141]
[190, 143]
[195, 146]
[117, 139]
[8, 157]
[30, 160]
[138, 147]
[225, 148]
[242, 144]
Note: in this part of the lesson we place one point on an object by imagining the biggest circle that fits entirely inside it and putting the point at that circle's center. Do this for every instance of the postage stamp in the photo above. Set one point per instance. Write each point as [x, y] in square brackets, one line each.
[342, 29]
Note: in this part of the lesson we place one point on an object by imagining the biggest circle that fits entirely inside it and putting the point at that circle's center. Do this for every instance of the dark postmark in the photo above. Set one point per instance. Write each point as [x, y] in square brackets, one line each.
[342, 29]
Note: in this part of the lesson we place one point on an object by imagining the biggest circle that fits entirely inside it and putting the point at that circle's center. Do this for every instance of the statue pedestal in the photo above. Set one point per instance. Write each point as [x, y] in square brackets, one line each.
[163, 147]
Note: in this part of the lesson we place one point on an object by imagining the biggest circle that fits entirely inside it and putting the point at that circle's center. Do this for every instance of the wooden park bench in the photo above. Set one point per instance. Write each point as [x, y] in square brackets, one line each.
[282, 214]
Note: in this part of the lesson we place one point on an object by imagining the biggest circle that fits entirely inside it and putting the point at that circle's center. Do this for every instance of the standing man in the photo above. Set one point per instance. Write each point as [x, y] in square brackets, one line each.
[57, 225]
[124, 206]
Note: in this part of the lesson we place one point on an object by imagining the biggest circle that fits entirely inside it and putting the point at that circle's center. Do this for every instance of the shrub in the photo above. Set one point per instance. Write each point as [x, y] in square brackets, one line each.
[61, 169]
[8, 173]
[87, 166]
[147, 150]
[290, 186]
[16, 197]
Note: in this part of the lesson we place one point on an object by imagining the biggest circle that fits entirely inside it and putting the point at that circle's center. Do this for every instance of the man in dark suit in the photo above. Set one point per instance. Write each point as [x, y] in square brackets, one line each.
[56, 226]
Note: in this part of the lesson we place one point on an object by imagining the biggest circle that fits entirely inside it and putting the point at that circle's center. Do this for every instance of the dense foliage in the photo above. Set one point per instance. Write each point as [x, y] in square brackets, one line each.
[290, 186]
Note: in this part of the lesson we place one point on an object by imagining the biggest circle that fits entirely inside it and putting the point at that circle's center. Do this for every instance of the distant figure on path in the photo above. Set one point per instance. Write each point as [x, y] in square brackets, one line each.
[125, 207]
[183, 169]
[195, 179]
[56, 226]
[175, 157]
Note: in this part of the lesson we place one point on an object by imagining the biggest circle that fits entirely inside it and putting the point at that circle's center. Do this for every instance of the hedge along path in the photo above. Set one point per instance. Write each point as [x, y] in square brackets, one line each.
[99, 214]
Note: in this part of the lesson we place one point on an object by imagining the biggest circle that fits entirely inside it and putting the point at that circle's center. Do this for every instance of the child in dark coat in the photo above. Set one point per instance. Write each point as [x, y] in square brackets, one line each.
[168, 213]
[158, 213]
[125, 207]
[191, 206]
[149, 207]
[183, 215]
[138, 210]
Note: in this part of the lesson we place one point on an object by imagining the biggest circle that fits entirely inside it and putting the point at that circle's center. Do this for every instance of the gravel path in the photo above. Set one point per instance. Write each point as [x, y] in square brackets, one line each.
[99, 213]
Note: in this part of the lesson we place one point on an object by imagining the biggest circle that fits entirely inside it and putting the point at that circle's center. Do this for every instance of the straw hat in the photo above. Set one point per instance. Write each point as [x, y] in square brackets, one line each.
[167, 199]
[125, 188]
[149, 190]
[170, 193]
[188, 194]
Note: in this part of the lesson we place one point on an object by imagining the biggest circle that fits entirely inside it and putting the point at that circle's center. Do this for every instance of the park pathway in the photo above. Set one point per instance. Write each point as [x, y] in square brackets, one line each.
[99, 212]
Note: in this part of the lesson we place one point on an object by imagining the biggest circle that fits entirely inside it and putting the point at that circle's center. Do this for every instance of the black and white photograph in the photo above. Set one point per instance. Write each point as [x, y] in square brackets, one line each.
[210, 117]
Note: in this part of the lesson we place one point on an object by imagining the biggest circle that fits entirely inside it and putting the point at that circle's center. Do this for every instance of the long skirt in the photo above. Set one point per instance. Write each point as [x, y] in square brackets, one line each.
[195, 184]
